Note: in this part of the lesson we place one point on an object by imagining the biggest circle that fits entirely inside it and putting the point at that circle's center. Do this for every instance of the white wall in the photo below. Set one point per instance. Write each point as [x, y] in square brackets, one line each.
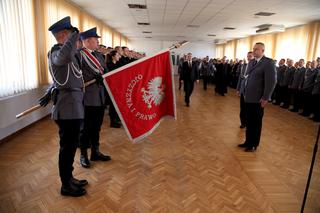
[198, 49]
[11, 106]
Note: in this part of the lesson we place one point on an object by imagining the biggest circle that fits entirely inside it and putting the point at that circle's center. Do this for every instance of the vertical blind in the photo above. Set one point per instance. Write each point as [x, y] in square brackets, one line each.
[18, 61]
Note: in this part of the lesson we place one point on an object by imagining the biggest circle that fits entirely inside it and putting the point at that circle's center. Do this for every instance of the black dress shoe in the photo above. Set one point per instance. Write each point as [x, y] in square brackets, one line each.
[315, 119]
[243, 145]
[99, 156]
[72, 190]
[242, 126]
[304, 114]
[79, 183]
[250, 149]
[187, 104]
[84, 161]
[294, 110]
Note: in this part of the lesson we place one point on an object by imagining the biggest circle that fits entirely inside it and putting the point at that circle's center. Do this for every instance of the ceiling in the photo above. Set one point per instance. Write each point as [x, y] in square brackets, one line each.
[169, 19]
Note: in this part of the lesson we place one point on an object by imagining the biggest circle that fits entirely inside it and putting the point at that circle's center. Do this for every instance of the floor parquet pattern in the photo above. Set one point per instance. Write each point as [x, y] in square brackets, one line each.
[189, 165]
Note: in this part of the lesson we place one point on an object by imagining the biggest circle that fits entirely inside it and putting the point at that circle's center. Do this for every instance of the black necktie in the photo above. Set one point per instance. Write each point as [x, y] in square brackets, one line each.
[254, 62]
[94, 54]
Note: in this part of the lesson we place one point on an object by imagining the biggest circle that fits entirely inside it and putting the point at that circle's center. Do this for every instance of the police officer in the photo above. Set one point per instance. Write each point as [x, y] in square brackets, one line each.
[307, 88]
[316, 94]
[68, 109]
[286, 82]
[93, 66]
[240, 90]
[259, 84]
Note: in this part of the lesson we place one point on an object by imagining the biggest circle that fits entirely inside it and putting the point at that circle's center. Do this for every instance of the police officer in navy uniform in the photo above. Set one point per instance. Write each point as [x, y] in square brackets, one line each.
[68, 109]
[93, 66]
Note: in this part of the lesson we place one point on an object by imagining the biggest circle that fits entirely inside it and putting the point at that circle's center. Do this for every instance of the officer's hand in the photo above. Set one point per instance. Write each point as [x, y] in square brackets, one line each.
[263, 103]
[105, 70]
[46, 98]
[75, 29]
[99, 78]
[74, 36]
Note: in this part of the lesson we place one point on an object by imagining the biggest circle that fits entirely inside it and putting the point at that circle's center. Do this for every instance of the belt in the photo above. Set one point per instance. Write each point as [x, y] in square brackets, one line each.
[70, 89]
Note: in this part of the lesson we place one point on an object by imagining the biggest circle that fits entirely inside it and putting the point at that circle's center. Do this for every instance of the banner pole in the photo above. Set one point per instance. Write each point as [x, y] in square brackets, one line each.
[310, 171]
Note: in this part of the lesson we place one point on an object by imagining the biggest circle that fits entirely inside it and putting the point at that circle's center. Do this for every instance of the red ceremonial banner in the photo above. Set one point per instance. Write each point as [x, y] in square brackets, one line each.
[143, 94]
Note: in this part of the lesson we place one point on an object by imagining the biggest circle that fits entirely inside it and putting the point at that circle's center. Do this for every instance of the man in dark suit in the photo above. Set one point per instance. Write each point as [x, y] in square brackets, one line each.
[221, 77]
[295, 87]
[188, 76]
[259, 85]
[240, 90]
[287, 81]
[93, 66]
[278, 91]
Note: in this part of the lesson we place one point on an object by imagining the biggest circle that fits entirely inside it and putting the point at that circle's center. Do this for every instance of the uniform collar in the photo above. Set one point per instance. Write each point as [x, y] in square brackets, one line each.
[258, 59]
[91, 51]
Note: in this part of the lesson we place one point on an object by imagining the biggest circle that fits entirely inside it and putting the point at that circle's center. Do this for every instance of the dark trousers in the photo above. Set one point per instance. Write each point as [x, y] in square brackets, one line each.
[90, 133]
[286, 96]
[188, 89]
[113, 113]
[69, 131]
[316, 108]
[221, 86]
[281, 93]
[254, 123]
[243, 113]
[307, 103]
[205, 82]
[296, 98]
[274, 94]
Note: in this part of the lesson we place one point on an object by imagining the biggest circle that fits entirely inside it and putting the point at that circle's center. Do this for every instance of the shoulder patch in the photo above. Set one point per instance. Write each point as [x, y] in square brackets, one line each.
[56, 47]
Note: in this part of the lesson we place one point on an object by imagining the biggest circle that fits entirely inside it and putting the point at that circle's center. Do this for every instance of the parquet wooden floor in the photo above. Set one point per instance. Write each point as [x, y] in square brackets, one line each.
[189, 165]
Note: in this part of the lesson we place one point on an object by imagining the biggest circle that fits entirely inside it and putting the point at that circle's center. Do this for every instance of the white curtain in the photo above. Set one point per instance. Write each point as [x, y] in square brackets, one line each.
[18, 62]
[243, 47]
[106, 37]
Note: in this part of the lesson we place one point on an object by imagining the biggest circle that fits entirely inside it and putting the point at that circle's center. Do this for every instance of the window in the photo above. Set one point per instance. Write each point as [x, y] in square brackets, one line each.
[18, 62]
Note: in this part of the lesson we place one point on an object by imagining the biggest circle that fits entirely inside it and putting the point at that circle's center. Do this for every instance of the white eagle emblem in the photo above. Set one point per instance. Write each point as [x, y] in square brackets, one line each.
[155, 92]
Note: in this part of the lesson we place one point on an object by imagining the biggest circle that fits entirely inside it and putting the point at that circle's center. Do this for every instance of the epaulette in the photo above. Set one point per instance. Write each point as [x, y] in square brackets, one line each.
[56, 47]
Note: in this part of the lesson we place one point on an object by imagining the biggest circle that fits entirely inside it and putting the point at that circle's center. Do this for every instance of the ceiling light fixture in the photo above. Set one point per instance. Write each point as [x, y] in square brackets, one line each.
[137, 6]
[229, 28]
[271, 28]
[264, 14]
[143, 23]
[193, 26]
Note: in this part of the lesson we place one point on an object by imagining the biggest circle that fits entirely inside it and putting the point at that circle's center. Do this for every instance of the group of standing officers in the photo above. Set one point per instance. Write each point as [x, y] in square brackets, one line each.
[78, 110]
[297, 88]
[299, 85]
